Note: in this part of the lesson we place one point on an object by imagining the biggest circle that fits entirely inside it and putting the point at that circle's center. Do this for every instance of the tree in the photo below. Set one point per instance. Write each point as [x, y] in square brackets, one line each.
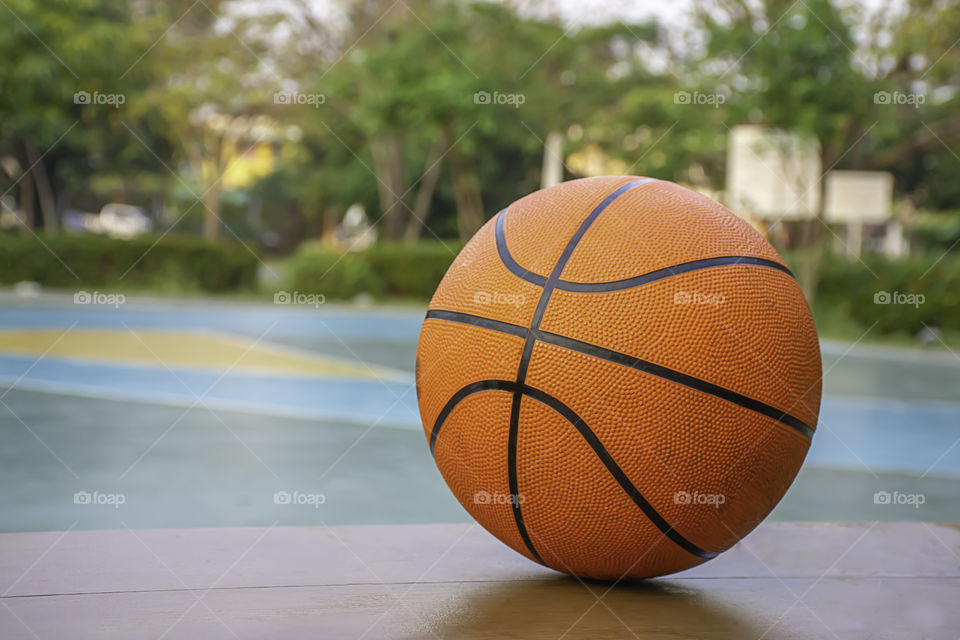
[208, 95]
[436, 81]
[782, 64]
[62, 89]
[798, 66]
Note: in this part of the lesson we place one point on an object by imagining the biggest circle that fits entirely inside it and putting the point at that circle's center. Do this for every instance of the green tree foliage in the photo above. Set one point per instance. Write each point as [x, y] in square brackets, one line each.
[62, 91]
[420, 85]
[404, 127]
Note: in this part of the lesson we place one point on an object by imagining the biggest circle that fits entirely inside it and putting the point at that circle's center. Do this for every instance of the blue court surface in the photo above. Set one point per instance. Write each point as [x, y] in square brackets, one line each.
[160, 413]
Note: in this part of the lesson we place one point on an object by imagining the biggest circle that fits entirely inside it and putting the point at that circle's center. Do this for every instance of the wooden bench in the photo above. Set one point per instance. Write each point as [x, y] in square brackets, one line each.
[786, 580]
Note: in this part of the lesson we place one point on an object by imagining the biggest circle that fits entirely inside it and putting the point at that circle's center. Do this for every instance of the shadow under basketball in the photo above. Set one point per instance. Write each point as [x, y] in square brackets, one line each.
[564, 607]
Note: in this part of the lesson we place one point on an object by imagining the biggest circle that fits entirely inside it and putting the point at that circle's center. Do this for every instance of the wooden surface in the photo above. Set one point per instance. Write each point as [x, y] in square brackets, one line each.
[865, 580]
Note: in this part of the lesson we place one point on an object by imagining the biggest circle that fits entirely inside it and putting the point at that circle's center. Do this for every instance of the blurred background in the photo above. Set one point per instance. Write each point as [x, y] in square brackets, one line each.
[221, 222]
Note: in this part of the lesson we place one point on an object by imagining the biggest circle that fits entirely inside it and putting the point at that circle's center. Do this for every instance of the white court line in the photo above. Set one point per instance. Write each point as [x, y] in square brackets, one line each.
[218, 404]
[884, 352]
[881, 402]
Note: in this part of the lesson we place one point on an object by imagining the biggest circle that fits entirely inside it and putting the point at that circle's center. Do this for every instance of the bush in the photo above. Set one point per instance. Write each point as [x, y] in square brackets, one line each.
[318, 269]
[936, 231]
[881, 291]
[393, 269]
[410, 270]
[167, 263]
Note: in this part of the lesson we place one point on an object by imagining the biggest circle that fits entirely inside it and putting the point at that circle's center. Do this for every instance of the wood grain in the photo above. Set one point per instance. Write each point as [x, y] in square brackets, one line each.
[786, 580]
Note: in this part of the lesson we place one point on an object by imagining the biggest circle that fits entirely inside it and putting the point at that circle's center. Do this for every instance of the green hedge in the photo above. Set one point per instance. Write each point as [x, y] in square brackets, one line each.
[899, 295]
[392, 269]
[168, 263]
[411, 270]
[318, 269]
[845, 287]
[936, 232]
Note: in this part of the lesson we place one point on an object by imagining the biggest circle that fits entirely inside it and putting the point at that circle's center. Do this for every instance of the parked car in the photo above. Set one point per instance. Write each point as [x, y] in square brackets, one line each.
[124, 220]
[115, 220]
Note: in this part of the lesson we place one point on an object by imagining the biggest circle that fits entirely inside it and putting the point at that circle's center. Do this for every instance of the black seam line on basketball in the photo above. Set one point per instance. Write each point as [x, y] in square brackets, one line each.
[652, 514]
[548, 288]
[478, 321]
[508, 260]
[628, 361]
[554, 277]
[627, 283]
[591, 438]
[470, 389]
[680, 378]
[512, 479]
[659, 274]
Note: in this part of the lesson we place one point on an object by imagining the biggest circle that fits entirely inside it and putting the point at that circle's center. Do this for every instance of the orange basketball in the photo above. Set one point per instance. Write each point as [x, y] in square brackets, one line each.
[618, 377]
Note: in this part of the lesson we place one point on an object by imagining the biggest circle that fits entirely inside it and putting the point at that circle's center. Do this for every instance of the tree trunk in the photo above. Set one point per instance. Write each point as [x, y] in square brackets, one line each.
[807, 258]
[48, 206]
[428, 185]
[27, 201]
[216, 151]
[552, 171]
[211, 197]
[388, 161]
[466, 191]
[211, 212]
[328, 226]
[811, 243]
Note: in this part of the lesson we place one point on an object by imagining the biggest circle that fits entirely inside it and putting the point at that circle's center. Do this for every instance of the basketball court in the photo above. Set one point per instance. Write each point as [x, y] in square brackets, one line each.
[198, 412]
[165, 455]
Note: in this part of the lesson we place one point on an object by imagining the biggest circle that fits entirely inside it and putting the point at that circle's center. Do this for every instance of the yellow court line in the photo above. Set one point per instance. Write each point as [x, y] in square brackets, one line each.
[181, 349]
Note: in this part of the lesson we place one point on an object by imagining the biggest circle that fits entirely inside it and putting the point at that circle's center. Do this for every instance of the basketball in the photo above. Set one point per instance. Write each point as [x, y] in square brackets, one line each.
[618, 377]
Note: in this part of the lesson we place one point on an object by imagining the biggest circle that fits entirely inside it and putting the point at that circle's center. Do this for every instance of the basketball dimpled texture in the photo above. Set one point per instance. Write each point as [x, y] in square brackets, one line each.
[618, 377]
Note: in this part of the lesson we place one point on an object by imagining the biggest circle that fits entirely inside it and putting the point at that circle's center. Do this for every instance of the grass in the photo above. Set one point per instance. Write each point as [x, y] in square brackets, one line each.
[835, 325]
